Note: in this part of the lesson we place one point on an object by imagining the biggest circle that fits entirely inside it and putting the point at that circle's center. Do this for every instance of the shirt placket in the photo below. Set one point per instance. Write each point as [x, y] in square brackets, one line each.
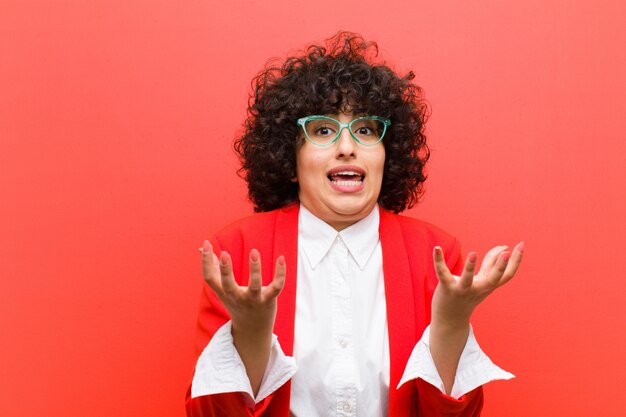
[342, 331]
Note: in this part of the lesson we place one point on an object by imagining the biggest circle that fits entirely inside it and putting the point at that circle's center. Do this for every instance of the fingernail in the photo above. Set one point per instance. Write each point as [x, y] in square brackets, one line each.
[521, 246]
[206, 247]
[223, 258]
[472, 257]
[254, 255]
[281, 260]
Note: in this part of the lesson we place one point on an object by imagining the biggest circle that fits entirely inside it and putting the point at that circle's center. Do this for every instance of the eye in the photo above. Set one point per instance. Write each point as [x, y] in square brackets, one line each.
[364, 131]
[324, 130]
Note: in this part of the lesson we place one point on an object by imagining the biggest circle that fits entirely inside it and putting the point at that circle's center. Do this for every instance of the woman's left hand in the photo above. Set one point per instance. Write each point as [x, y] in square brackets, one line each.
[456, 297]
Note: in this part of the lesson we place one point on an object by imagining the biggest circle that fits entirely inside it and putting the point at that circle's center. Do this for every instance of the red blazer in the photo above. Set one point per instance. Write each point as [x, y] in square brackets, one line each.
[410, 280]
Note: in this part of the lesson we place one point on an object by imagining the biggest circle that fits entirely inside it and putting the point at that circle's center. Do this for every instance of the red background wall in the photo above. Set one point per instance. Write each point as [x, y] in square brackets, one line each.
[116, 119]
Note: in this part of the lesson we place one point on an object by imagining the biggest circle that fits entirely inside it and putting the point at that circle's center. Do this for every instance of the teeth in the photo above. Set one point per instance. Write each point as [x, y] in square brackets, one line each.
[348, 183]
[346, 173]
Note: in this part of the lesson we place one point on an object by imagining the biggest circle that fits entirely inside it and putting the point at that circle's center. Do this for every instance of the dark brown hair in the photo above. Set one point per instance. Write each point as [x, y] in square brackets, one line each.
[341, 75]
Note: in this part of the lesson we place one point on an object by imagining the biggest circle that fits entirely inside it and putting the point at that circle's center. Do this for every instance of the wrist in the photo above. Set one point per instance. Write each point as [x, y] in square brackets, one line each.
[247, 332]
[450, 325]
[253, 345]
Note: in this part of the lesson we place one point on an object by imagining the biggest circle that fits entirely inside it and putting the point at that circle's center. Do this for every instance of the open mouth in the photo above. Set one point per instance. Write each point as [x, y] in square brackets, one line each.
[346, 178]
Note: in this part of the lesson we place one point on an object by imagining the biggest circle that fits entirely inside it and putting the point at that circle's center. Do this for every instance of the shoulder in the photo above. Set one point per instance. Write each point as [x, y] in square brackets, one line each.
[413, 225]
[416, 231]
[258, 225]
[239, 230]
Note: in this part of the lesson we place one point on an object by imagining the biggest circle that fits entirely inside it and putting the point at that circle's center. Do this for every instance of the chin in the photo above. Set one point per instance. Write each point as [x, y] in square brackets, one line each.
[350, 212]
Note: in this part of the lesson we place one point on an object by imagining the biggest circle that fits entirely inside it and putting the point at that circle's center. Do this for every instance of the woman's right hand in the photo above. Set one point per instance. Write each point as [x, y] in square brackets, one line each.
[252, 308]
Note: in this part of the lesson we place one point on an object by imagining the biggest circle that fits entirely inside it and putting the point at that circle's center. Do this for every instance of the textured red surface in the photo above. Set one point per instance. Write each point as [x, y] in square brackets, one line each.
[116, 120]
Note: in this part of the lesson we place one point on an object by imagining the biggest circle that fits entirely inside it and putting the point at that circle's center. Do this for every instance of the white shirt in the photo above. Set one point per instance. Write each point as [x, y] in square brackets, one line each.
[341, 342]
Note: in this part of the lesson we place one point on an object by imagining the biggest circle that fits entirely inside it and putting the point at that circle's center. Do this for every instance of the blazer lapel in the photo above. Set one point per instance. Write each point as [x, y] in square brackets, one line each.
[286, 244]
[400, 309]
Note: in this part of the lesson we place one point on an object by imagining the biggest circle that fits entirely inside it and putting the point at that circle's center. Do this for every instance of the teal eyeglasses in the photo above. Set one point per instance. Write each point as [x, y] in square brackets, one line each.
[324, 130]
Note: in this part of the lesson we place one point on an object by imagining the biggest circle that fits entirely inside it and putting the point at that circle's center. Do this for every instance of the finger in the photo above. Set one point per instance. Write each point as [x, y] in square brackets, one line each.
[443, 273]
[467, 277]
[514, 263]
[255, 283]
[495, 275]
[226, 271]
[490, 259]
[209, 272]
[277, 284]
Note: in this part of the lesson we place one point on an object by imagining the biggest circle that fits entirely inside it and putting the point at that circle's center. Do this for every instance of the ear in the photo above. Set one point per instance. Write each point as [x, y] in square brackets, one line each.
[294, 179]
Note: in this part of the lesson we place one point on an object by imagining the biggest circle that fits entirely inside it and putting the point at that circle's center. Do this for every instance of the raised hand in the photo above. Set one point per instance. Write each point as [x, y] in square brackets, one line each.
[252, 308]
[456, 297]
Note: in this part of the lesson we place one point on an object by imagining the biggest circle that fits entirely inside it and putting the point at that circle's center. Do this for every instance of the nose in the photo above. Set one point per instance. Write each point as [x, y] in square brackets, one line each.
[346, 146]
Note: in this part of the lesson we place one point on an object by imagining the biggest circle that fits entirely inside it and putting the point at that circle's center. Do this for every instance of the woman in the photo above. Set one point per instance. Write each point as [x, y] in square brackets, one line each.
[333, 149]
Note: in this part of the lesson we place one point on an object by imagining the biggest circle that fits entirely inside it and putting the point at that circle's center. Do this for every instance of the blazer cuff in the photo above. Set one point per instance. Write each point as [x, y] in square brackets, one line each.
[474, 370]
[220, 369]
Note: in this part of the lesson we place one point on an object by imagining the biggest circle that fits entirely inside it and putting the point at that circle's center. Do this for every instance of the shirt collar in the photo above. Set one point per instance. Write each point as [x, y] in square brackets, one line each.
[316, 237]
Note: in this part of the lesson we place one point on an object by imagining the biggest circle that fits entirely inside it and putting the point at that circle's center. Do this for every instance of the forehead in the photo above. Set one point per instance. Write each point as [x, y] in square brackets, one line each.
[354, 103]
[343, 117]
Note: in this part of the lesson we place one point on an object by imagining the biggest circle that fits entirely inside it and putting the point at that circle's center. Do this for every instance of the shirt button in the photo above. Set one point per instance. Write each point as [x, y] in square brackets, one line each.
[346, 407]
[343, 343]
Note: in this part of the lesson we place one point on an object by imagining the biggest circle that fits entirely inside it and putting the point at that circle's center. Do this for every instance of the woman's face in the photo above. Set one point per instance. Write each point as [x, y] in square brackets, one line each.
[340, 183]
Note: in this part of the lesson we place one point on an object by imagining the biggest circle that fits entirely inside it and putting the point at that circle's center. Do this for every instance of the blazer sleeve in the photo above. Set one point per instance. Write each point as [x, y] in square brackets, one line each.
[431, 402]
[230, 404]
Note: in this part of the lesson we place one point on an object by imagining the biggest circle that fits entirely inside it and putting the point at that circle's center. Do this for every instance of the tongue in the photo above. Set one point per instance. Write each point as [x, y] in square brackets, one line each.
[346, 177]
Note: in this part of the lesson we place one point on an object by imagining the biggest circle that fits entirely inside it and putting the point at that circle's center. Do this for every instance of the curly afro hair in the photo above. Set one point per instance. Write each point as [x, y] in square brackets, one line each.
[342, 75]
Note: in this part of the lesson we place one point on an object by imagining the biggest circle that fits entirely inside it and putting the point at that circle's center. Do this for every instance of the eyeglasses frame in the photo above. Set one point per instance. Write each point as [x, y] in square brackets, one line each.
[302, 121]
